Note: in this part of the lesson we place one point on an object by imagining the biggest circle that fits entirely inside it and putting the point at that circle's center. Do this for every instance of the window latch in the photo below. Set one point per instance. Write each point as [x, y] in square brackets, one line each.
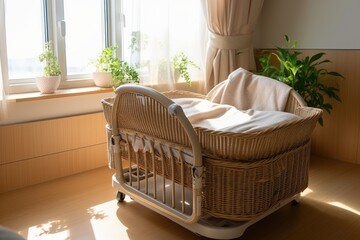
[62, 27]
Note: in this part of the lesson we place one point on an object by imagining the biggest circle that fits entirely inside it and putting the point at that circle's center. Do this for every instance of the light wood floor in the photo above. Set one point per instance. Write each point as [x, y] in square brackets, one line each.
[83, 207]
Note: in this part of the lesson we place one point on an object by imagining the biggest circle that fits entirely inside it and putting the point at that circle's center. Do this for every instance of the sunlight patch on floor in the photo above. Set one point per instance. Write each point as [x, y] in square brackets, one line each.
[306, 192]
[105, 223]
[55, 229]
[128, 199]
[345, 207]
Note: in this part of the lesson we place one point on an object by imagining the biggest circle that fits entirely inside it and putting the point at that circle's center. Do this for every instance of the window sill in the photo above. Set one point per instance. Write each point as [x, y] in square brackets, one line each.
[60, 93]
[71, 92]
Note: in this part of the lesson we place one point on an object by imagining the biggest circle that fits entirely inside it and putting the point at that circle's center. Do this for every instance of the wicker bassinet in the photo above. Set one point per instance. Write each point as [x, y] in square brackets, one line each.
[245, 174]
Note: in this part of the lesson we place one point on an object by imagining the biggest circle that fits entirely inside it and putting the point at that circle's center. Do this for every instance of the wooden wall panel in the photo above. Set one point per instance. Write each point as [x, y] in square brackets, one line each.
[340, 137]
[36, 152]
[29, 140]
[41, 169]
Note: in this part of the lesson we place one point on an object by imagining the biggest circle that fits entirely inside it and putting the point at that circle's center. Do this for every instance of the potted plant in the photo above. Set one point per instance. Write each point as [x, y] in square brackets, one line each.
[111, 71]
[50, 81]
[181, 64]
[302, 74]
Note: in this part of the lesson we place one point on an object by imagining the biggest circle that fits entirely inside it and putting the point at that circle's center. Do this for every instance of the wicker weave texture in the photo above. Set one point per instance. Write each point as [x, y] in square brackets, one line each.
[243, 190]
[232, 146]
[264, 144]
[245, 174]
[231, 190]
[145, 115]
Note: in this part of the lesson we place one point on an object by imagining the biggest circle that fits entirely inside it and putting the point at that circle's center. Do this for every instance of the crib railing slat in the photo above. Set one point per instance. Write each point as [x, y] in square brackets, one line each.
[182, 182]
[172, 160]
[129, 157]
[137, 169]
[154, 168]
[163, 174]
[146, 167]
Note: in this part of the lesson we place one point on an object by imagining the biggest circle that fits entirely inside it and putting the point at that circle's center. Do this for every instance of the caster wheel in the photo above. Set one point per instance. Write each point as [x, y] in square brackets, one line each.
[295, 202]
[120, 196]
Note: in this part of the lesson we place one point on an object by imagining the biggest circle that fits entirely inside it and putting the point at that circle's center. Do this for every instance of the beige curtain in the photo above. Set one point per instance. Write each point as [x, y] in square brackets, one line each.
[231, 24]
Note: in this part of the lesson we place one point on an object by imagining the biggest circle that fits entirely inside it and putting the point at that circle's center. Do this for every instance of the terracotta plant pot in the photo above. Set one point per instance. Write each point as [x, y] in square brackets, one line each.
[48, 84]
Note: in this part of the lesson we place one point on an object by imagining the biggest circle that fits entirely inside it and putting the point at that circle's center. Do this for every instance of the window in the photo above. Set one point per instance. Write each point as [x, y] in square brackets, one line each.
[24, 34]
[84, 35]
[149, 34]
[158, 30]
[78, 29]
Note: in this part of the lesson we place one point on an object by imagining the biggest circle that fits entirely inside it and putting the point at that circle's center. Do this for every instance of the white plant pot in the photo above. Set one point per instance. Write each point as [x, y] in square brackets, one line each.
[102, 79]
[48, 84]
[176, 74]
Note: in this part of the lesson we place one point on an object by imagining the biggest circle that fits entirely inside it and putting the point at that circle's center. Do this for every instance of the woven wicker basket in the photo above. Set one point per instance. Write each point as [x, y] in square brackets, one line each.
[250, 146]
[244, 183]
[243, 190]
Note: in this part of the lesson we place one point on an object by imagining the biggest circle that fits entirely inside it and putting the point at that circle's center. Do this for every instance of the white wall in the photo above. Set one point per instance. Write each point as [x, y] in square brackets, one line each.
[19, 112]
[315, 24]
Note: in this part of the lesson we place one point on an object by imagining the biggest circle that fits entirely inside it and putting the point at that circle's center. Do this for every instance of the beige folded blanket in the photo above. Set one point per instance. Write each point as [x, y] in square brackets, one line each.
[246, 90]
[221, 117]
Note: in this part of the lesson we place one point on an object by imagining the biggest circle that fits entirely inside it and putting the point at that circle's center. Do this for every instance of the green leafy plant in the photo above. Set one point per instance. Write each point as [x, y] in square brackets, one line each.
[139, 41]
[303, 74]
[135, 41]
[121, 71]
[51, 67]
[182, 62]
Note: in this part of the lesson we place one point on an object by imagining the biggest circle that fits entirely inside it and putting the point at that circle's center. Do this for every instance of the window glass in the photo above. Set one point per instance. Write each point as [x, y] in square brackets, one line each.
[151, 41]
[84, 35]
[24, 34]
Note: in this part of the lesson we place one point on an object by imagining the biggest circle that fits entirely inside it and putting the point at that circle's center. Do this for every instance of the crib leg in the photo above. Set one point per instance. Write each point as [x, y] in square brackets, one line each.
[120, 196]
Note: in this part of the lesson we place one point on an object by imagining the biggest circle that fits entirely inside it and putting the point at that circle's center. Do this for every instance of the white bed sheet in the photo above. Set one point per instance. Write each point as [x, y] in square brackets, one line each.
[221, 117]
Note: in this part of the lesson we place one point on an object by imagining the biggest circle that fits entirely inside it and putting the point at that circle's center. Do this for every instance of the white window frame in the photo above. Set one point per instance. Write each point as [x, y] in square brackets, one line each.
[3, 52]
[55, 16]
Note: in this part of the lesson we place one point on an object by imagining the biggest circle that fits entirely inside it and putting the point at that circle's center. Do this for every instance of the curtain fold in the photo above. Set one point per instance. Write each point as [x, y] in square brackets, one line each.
[231, 24]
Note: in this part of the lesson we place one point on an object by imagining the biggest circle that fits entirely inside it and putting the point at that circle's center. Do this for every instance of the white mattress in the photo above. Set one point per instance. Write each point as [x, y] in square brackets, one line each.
[221, 117]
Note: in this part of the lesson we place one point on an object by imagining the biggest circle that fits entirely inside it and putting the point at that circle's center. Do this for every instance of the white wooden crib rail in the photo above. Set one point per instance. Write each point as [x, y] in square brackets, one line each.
[151, 134]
